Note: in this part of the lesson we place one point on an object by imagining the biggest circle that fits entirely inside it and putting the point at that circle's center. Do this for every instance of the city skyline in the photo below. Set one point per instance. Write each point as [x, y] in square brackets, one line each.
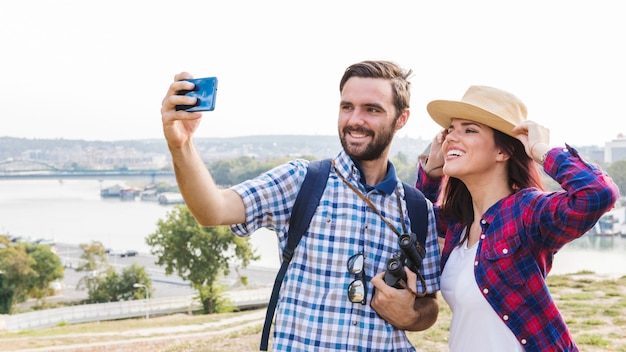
[151, 154]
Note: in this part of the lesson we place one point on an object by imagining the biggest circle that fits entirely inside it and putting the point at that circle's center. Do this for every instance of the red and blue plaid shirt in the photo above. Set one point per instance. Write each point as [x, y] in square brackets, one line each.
[520, 235]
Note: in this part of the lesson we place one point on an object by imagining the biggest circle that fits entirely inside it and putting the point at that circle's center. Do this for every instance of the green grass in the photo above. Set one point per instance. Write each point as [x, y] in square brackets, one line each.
[593, 306]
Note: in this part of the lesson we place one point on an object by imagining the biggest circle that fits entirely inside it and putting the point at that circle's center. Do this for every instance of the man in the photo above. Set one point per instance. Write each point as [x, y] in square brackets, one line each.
[348, 240]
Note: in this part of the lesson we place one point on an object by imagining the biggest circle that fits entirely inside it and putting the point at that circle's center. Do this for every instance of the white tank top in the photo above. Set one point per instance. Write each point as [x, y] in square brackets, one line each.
[475, 326]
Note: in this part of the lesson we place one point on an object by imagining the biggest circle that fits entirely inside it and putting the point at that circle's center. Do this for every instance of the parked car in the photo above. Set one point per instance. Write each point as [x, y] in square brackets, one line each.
[129, 253]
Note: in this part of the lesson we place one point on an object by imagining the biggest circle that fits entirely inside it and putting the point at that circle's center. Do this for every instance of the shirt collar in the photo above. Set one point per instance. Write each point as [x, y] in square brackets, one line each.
[387, 185]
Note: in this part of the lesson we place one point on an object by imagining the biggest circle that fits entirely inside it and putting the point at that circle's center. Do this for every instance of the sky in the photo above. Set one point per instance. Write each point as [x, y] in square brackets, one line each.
[98, 70]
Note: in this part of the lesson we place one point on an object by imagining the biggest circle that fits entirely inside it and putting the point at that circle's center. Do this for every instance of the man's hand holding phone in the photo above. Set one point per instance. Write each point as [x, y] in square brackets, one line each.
[205, 90]
[180, 121]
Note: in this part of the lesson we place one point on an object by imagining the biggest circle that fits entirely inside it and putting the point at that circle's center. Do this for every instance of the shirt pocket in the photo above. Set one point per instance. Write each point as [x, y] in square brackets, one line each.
[508, 259]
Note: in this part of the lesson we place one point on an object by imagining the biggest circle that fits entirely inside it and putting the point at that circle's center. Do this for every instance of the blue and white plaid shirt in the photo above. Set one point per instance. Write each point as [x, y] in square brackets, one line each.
[313, 311]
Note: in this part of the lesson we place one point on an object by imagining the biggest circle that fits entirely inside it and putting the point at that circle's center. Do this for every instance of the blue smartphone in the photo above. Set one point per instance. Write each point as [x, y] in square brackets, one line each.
[205, 91]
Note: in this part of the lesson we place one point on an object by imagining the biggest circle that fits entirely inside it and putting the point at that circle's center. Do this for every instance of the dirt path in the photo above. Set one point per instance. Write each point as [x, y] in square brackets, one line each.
[141, 339]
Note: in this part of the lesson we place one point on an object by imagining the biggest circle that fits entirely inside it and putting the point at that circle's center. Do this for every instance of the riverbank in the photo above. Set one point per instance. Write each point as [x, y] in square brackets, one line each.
[593, 305]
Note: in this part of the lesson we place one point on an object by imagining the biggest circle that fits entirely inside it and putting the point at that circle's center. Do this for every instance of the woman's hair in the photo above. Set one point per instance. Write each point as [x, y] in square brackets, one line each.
[521, 170]
[400, 84]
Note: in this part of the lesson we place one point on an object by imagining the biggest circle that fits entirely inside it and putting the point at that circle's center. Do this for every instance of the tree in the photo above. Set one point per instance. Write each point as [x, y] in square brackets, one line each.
[221, 172]
[406, 169]
[93, 261]
[103, 282]
[102, 285]
[16, 274]
[111, 286]
[199, 254]
[48, 267]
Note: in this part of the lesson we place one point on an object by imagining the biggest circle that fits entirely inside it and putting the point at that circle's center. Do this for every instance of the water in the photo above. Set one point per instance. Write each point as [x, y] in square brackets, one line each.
[72, 211]
[600, 254]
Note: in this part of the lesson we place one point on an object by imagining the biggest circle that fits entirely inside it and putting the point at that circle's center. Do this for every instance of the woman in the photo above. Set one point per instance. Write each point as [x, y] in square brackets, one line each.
[501, 228]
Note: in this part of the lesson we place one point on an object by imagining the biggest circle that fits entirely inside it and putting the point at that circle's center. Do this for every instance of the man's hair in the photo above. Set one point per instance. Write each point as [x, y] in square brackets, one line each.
[400, 85]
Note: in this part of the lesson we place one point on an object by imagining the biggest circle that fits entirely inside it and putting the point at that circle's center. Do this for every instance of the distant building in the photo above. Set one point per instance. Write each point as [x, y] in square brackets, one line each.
[615, 150]
[591, 153]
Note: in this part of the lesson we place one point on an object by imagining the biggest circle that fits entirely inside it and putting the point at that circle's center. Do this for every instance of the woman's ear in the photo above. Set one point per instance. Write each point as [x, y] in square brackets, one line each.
[503, 156]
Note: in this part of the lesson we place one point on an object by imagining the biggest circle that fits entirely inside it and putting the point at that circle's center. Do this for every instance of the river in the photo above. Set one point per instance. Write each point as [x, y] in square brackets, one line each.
[72, 211]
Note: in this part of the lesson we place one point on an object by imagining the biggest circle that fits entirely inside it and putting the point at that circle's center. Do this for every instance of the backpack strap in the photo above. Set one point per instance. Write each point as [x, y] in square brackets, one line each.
[306, 202]
[418, 212]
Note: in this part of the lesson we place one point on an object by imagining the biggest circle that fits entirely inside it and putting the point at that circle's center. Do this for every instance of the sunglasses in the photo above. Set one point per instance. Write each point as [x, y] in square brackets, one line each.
[357, 290]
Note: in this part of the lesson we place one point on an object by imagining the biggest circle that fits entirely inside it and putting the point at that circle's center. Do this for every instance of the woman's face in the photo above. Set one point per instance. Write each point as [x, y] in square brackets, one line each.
[469, 149]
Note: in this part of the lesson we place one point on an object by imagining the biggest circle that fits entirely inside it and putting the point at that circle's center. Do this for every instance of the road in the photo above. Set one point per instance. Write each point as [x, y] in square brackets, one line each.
[162, 284]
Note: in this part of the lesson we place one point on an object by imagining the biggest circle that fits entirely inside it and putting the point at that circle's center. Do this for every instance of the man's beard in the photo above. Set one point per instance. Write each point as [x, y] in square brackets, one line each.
[373, 150]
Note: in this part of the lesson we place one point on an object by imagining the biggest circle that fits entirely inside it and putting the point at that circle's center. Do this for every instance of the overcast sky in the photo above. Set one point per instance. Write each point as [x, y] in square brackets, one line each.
[97, 70]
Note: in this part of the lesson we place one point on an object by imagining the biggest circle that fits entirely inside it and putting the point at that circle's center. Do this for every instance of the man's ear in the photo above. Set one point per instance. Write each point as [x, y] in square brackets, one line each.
[402, 120]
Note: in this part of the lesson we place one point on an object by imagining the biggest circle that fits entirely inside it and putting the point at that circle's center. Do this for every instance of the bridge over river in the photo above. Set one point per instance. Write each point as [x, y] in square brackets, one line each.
[151, 176]
[31, 169]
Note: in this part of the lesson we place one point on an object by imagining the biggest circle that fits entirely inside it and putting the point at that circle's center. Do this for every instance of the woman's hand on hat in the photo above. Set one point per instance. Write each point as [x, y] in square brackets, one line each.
[536, 139]
[435, 161]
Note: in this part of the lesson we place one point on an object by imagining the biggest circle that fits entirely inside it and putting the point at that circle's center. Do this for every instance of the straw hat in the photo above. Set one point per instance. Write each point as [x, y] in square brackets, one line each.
[493, 107]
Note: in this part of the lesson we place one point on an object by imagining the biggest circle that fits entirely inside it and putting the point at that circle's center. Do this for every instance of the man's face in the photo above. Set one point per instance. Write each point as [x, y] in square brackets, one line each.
[367, 120]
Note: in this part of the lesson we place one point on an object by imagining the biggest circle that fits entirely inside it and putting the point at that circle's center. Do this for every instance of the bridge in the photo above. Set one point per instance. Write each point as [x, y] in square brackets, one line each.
[28, 169]
[151, 176]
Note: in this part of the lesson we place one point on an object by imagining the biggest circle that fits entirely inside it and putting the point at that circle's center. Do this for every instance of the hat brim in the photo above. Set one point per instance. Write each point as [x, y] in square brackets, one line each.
[443, 111]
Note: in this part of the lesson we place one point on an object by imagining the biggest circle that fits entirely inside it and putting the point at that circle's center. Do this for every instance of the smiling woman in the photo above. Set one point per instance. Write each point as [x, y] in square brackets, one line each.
[496, 217]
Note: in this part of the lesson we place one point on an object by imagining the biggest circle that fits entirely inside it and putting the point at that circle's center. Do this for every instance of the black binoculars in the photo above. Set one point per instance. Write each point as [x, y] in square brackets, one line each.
[411, 254]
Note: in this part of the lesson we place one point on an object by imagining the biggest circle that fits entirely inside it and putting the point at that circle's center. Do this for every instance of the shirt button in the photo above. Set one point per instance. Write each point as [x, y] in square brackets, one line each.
[505, 251]
[505, 317]
[476, 263]
[482, 237]
[482, 221]
[354, 322]
[523, 341]
[485, 290]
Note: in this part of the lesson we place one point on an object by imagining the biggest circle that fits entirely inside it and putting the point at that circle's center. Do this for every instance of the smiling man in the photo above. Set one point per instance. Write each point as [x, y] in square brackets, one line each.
[333, 297]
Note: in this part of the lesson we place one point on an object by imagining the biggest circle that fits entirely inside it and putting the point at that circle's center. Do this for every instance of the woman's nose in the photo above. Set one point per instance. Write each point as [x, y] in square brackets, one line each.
[449, 135]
